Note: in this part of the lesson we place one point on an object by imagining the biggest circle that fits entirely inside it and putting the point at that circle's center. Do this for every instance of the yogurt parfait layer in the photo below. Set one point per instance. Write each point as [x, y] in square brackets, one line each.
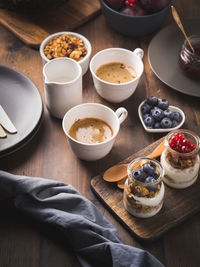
[180, 159]
[144, 189]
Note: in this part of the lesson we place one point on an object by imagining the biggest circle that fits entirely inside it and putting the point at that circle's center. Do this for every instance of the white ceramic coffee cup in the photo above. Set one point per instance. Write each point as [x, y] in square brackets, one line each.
[84, 63]
[62, 85]
[91, 152]
[111, 91]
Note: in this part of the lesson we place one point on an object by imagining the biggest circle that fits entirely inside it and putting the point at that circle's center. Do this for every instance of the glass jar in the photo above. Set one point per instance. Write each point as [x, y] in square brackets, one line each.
[180, 159]
[189, 62]
[141, 198]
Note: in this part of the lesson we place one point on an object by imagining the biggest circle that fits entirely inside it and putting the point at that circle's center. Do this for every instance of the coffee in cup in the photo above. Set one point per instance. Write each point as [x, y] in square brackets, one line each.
[113, 91]
[90, 130]
[116, 72]
[84, 113]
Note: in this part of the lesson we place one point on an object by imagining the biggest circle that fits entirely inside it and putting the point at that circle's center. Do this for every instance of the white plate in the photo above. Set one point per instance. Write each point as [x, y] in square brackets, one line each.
[151, 130]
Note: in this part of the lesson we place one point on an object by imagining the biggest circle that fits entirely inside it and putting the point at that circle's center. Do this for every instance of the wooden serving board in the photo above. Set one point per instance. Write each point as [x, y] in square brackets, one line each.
[179, 204]
[34, 27]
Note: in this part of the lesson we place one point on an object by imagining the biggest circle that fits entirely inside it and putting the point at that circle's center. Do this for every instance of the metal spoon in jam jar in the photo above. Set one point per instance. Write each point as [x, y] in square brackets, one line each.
[178, 22]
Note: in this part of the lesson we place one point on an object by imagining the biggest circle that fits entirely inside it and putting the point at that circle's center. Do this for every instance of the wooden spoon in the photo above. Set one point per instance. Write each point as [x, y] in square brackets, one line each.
[120, 184]
[118, 172]
[178, 22]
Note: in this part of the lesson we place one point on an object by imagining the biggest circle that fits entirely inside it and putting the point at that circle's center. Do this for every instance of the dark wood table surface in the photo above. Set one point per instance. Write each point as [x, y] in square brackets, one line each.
[23, 242]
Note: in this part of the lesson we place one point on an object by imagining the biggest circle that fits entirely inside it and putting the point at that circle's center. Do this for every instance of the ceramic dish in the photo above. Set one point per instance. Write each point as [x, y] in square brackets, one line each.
[163, 55]
[151, 130]
[83, 62]
[117, 92]
[93, 151]
[23, 104]
[134, 25]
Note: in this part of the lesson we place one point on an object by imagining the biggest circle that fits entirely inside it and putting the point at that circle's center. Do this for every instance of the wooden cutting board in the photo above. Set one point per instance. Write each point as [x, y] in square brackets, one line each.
[33, 28]
[179, 204]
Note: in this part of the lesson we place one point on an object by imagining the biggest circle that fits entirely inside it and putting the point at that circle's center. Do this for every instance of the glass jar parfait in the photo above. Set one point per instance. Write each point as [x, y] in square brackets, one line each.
[189, 62]
[180, 159]
[144, 189]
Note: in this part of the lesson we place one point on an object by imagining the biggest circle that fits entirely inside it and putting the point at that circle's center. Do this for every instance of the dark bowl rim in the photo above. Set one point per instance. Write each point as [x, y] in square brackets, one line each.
[138, 17]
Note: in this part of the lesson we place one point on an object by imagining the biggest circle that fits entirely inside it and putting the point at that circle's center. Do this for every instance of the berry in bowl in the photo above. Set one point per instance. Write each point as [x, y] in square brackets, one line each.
[144, 190]
[135, 17]
[180, 159]
[157, 115]
[67, 44]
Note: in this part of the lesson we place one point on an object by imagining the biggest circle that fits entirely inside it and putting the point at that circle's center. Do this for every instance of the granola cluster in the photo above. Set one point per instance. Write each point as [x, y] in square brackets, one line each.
[65, 45]
[141, 191]
[179, 162]
[132, 204]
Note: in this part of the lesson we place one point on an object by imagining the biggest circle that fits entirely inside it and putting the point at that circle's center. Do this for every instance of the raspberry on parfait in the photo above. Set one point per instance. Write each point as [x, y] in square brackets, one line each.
[181, 144]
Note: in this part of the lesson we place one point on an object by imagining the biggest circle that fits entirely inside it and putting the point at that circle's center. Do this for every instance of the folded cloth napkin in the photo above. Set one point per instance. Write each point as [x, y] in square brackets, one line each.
[94, 240]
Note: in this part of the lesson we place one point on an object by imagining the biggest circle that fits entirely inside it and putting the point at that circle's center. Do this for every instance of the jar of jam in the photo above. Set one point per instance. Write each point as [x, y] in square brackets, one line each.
[180, 159]
[189, 62]
[144, 189]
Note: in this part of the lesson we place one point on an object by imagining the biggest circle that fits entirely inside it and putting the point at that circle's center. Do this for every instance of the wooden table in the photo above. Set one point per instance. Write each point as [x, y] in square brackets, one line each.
[25, 243]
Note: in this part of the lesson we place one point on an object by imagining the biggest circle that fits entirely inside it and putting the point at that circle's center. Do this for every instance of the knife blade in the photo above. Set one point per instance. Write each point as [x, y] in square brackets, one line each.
[2, 132]
[6, 122]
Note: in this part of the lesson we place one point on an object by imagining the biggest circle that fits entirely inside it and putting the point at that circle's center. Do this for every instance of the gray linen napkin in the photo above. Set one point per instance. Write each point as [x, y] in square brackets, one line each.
[91, 237]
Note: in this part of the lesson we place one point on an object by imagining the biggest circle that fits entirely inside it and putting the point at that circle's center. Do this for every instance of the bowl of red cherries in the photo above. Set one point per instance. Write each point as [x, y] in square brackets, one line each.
[158, 116]
[135, 17]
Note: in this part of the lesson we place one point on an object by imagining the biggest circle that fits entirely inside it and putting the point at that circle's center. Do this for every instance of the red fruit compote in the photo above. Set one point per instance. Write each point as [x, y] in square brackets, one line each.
[180, 160]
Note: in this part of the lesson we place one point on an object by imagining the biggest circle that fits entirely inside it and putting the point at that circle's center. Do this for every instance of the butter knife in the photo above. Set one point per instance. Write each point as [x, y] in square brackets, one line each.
[6, 122]
[2, 132]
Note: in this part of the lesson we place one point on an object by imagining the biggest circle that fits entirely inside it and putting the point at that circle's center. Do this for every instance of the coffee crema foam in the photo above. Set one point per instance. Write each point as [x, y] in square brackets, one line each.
[90, 130]
[116, 72]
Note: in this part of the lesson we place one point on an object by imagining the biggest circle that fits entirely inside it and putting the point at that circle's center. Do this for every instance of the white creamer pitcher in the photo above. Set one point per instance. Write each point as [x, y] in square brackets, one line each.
[62, 85]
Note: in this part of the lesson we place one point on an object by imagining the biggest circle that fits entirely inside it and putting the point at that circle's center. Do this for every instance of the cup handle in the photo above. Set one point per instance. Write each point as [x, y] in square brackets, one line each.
[121, 113]
[139, 52]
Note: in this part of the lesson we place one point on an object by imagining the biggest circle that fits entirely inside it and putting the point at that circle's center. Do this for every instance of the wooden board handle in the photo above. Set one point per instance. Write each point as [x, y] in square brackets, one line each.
[23, 28]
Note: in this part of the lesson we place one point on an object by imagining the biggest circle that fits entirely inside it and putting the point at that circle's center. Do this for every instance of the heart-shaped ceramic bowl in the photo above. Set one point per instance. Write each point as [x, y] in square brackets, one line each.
[151, 130]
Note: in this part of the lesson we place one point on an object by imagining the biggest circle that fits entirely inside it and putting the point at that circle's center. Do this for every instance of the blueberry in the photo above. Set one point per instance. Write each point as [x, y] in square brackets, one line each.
[152, 100]
[163, 104]
[145, 108]
[168, 113]
[145, 116]
[150, 179]
[177, 116]
[149, 121]
[174, 123]
[172, 116]
[157, 113]
[156, 125]
[155, 176]
[166, 123]
[149, 169]
[138, 174]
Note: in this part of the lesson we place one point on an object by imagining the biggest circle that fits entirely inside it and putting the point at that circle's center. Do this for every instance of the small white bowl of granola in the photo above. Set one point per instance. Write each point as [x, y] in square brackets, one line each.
[67, 44]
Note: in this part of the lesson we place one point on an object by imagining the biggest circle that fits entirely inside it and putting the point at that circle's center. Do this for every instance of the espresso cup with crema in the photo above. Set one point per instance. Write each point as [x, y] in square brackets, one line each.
[92, 152]
[117, 92]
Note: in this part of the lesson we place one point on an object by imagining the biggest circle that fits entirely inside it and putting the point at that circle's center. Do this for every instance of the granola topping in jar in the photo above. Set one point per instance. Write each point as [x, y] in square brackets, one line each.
[144, 189]
[65, 45]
